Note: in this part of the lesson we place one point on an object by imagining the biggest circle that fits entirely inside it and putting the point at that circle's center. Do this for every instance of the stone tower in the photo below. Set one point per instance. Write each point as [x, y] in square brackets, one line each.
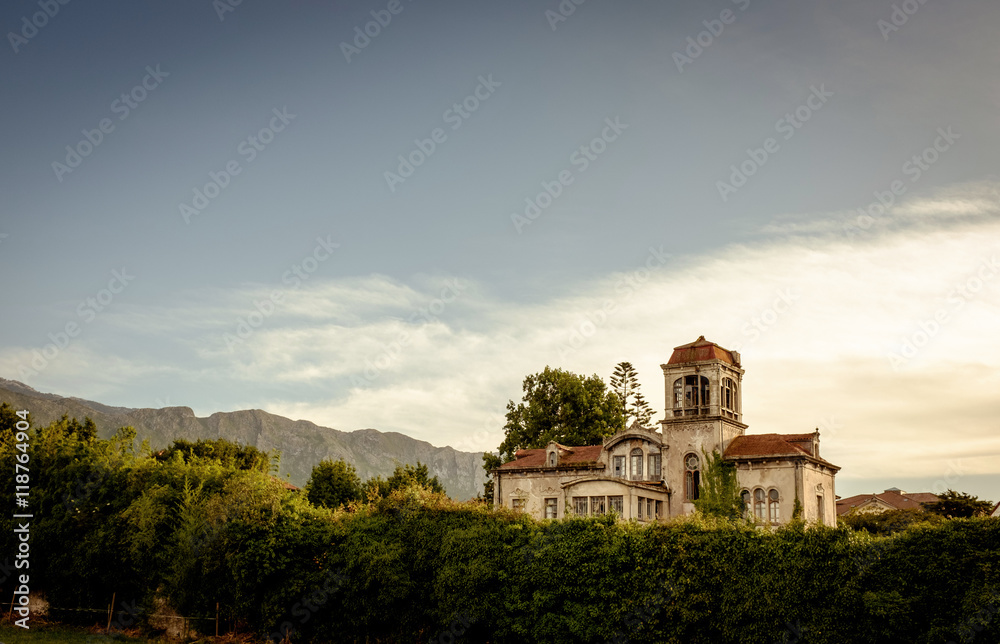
[703, 413]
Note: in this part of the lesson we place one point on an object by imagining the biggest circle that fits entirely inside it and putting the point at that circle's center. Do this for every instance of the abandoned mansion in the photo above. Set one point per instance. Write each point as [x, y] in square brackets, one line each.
[647, 474]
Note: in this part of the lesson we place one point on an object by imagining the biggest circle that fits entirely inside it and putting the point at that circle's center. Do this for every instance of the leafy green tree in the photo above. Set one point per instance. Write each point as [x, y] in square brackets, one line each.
[333, 484]
[222, 451]
[956, 505]
[719, 493]
[563, 407]
[625, 383]
[403, 476]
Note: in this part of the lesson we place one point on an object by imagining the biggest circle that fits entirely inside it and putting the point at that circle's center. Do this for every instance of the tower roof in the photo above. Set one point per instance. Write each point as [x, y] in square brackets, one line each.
[701, 350]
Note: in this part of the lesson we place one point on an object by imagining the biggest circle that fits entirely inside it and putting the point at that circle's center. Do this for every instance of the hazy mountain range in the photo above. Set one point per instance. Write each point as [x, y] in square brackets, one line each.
[302, 444]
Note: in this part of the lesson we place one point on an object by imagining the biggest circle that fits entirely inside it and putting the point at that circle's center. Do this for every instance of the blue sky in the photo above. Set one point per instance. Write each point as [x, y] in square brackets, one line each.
[582, 191]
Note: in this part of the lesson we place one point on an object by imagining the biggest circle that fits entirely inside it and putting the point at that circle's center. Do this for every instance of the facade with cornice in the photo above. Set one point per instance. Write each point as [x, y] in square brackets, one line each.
[648, 475]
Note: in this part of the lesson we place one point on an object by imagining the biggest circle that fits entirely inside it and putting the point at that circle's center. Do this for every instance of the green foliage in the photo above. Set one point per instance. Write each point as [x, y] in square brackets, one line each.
[625, 384]
[221, 451]
[563, 407]
[954, 505]
[415, 566]
[719, 493]
[333, 484]
[889, 522]
[402, 477]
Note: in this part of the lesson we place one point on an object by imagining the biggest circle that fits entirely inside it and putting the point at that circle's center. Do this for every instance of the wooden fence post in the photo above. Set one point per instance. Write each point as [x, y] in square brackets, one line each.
[111, 611]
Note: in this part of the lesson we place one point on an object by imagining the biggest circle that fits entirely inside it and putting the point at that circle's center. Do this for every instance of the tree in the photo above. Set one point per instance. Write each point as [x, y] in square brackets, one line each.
[719, 491]
[954, 505]
[333, 483]
[563, 407]
[226, 453]
[625, 383]
[402, 477]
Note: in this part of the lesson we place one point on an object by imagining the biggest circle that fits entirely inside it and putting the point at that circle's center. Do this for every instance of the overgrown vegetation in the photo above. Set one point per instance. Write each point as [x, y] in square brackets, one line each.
[414, 566]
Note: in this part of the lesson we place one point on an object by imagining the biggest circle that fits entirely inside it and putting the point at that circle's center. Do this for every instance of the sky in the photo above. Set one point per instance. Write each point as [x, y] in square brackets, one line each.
[387, 213]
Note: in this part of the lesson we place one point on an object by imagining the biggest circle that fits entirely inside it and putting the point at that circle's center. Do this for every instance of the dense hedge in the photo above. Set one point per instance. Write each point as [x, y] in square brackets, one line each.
[417, 567]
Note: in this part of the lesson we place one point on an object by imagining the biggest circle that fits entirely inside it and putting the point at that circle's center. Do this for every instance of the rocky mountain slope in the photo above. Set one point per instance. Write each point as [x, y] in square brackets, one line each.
[302, 444]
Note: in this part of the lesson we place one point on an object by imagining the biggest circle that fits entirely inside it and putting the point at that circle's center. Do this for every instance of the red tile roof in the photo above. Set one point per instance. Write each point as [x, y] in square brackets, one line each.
[536, 457]
[701, 350]
[770, 445]
[892, 498]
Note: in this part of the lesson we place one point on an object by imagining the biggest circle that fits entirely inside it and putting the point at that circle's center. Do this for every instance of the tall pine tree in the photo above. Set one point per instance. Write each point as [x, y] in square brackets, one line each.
[625, 383]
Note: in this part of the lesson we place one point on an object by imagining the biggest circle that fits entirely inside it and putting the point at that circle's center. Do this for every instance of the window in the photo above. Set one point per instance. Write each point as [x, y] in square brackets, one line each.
[553, 459]
[616, 504]
[597, 505]
[637, 464]
[649, 509]
[691, 393]
[820, 509]
[747, 506]
[654, 467]
[772, 505]
[659, 509]
[619, 466]
[639, 505]
[730, 399]
[517, 504]
[580, 506]
[551, 508]
[758, 504]
[692, 477]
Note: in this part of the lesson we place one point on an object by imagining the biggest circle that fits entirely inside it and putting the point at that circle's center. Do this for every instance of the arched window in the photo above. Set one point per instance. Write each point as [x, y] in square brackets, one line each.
[553, 458]
[758, 504]
[747, 507]
[692, 476]
[637, 464]
[730, 397]
[772, 505]
[691, 393]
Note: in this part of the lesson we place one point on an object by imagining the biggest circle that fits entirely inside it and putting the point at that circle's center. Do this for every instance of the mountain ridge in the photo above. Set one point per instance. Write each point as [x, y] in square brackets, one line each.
[302, 443]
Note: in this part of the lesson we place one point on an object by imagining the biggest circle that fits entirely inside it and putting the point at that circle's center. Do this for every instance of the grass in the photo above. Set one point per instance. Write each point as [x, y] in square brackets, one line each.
[52, 633]
[46, 633]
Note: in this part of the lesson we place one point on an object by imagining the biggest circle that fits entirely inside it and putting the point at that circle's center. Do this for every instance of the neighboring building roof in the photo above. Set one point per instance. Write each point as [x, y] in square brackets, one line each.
[996, 511]
[572, 455]
[701, 350]
[893, 498]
